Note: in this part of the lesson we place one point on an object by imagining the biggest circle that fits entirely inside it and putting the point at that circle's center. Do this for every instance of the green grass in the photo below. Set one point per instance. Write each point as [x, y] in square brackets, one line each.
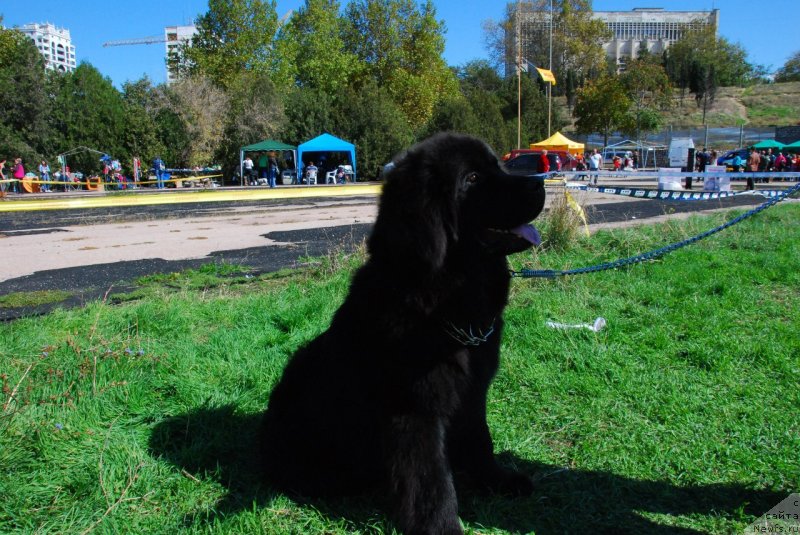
[681, 415]
[31, 299]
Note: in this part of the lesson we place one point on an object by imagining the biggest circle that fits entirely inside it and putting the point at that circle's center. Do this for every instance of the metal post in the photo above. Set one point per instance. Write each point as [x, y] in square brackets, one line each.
[550, 68]
[519, 78]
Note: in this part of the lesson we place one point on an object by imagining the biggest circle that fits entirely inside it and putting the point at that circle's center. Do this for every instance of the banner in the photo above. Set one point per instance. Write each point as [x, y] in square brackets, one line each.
[669, 195]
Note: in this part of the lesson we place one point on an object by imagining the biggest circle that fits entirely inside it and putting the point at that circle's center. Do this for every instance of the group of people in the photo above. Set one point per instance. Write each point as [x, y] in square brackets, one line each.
[47, 181]
[17, 173]
[767, 161]
[267, 173]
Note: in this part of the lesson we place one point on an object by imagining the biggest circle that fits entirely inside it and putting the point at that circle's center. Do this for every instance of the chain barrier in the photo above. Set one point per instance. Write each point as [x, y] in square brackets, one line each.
[657, 253]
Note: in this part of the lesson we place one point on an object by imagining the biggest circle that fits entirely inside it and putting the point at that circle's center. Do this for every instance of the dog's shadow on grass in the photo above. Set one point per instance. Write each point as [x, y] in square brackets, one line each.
[220, 444]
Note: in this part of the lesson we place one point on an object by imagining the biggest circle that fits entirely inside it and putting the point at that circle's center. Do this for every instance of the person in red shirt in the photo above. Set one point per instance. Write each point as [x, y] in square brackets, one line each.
[544, 162]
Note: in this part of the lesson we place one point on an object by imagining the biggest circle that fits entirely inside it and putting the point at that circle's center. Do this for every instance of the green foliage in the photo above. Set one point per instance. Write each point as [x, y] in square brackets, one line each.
[370, 119]
[24, 106]
[602, 106]
[647, 86]
[32, 299]
[233, 37]
[790, 72]
[576, 42]
[88, 112]
[140, 136]
[254, 112]
[312, 46]
[203, 108]
[403, 53]
[701, 62]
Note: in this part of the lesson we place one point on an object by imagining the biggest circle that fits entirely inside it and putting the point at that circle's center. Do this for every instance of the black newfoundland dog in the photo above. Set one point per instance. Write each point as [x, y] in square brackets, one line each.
[392, 397]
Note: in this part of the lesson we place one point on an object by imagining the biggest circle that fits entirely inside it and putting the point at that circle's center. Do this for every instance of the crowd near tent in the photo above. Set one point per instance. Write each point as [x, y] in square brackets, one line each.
[268, 145]
[328, 147]
[559, 141]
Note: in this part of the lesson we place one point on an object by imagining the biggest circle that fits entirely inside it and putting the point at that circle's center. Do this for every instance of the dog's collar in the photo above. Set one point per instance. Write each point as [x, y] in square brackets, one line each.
[469, 337]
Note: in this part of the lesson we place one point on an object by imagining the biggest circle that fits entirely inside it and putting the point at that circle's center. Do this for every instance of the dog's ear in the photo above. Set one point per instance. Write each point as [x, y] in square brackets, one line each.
[417, 214]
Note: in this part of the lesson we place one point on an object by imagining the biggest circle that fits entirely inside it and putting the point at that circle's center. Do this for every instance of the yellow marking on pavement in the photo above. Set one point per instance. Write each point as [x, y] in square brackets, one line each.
[136, 198]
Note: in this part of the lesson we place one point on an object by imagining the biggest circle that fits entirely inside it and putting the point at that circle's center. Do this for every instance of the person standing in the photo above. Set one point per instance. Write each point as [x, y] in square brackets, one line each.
[18, 174]
[544, 163]
[137, 171]
[2, 179]
[158, 168]
[753, 163]
[44, 172]
[274, 170]
[595, 162]
[248, 171]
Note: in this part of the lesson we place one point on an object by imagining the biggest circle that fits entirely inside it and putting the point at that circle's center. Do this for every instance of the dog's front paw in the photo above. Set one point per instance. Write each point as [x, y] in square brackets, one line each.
[510, 483]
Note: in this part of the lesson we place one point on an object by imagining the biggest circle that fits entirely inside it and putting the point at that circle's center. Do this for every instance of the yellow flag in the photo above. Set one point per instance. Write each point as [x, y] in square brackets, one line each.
[547, 75]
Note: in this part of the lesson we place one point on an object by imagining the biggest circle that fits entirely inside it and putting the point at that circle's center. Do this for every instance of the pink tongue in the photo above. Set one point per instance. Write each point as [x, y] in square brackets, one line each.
[528, 232]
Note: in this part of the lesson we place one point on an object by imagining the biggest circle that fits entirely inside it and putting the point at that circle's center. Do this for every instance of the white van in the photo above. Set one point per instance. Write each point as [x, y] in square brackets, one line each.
[679, 151]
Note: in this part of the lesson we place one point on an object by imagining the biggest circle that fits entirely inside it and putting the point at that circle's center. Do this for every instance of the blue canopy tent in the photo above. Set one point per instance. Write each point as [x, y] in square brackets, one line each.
[325, 143]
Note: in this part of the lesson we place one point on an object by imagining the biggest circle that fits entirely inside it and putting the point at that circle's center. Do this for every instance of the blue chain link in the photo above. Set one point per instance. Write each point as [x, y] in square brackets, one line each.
[657, 253]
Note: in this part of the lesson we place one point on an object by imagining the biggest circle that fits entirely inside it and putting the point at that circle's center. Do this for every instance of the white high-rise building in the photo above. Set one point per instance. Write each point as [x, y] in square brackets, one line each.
[55, 44]
[174, 37]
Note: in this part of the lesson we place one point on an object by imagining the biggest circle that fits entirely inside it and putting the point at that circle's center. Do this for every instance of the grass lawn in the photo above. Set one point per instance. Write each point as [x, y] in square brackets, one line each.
[681, 416]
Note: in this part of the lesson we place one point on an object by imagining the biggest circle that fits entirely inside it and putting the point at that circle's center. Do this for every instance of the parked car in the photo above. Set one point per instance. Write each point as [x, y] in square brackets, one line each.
[567, 160]
[528, 163]
[727, 158]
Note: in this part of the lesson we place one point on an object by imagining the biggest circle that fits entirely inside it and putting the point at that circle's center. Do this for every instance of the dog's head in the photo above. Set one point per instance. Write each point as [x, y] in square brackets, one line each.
[450, 192]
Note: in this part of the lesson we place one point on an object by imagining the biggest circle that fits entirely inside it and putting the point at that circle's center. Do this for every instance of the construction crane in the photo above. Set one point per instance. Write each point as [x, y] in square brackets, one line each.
[170, 37]
[139, 41]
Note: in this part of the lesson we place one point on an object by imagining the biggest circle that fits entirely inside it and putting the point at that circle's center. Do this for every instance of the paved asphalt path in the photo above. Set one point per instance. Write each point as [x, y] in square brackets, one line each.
[87, 283]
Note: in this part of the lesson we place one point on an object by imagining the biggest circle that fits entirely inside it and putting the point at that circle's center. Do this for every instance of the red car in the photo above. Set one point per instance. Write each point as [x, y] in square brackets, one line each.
[526, 161]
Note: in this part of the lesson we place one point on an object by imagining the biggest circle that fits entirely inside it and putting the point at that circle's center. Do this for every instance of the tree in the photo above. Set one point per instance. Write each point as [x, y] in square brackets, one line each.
[482, 88]
[403, 53]
[790, 72]
[647, 86]
[254, 113]
[602, 106]
[203, 109]
[24, 104]
[312, 46]
[309, 112]
[701, 62]
[140, 135]
[577, 49]
[368, 117]
[87, 111]
[534, 110]
[233, 37]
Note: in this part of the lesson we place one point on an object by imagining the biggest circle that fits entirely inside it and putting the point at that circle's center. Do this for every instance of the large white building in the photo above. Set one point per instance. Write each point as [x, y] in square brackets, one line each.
[174, 37]
[55, 45]
[651, 28]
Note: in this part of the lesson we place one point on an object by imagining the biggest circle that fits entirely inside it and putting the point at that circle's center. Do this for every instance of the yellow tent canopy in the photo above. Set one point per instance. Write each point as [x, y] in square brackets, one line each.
[559, 141]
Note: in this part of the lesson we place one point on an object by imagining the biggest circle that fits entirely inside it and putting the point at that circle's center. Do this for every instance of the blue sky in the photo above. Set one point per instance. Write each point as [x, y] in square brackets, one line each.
[769, 36]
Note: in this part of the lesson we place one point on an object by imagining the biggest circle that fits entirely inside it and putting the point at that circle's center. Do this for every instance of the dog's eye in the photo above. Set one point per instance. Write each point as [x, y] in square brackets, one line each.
[472, 178]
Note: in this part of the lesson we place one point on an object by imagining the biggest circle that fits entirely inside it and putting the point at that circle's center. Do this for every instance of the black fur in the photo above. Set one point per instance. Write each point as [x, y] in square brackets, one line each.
[389, 398]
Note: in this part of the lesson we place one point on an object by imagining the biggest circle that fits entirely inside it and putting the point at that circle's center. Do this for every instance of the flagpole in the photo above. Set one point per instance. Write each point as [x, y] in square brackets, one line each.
[519, 79]
[550, 68]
